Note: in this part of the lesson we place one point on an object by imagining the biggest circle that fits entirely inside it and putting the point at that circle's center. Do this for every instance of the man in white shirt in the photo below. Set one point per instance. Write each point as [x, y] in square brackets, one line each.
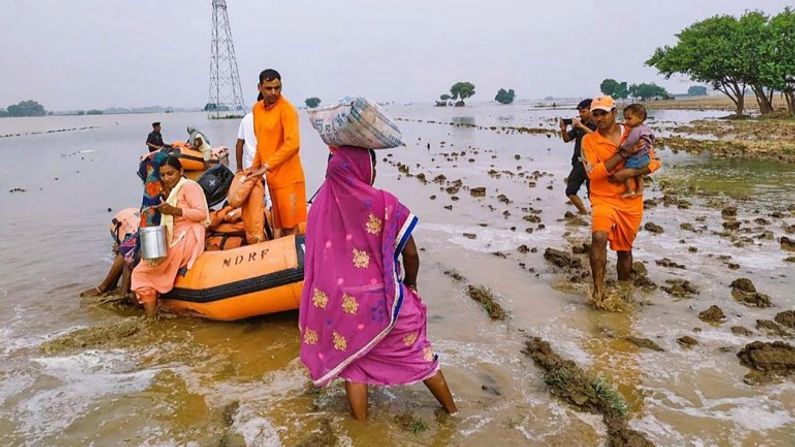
[246, 145]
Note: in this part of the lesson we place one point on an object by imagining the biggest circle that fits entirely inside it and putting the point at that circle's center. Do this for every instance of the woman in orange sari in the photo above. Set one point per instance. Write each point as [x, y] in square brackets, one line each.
[185, 216]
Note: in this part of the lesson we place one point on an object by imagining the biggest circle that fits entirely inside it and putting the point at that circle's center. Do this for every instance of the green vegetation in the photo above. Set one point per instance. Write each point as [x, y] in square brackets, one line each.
[645, 92]
[24, 108]
[461, 91]
[642, 91]
[611, 87]
[754, 51]
[312, 102]
[505, 97]
[697, 90]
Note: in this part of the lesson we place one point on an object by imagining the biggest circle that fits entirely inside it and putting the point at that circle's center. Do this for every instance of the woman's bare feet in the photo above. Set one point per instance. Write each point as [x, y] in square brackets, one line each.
[92, 292]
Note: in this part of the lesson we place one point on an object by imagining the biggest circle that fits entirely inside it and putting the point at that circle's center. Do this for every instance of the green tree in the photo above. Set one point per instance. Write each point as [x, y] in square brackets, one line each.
[3, 113]
[611, 87]
[779, 70]
[445, 97]
[754, 39]
[645, 92]
[707, 51]
[312, 102]
[462, 90]
[26, 108]
[697, 90]
[505, 97]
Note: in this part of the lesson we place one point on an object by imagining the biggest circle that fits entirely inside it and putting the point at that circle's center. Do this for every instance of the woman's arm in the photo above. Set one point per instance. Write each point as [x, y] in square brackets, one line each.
[411, 264]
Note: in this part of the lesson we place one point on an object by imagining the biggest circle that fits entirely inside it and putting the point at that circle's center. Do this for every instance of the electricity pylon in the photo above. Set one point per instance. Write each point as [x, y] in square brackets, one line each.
[226, 95]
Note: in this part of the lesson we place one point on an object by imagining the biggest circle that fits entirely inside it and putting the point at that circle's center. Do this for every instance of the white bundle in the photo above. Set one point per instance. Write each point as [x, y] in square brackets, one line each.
[355, 121]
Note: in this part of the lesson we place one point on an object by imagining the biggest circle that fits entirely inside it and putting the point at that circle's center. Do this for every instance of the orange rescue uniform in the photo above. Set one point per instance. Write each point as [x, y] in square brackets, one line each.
[619, 217]
[278, 142]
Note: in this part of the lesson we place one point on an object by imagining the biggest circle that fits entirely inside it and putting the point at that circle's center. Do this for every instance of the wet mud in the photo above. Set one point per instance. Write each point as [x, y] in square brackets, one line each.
[485, 297]
[584, 391]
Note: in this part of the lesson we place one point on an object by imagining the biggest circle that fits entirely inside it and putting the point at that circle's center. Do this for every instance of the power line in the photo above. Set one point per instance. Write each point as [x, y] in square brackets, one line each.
[226, 95]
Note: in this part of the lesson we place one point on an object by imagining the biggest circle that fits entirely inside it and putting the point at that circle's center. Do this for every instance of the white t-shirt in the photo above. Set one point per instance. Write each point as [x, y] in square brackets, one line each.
[246, 132]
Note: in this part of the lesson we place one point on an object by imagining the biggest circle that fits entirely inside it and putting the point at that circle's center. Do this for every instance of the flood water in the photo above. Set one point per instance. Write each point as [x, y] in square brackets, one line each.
[184, 381]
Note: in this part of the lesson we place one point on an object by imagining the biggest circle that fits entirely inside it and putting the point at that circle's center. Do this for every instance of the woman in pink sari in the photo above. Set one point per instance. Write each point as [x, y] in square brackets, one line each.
[358, 319]
[185, 215]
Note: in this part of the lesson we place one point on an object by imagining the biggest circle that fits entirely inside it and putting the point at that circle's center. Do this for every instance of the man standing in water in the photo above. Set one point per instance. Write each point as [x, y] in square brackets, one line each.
[154, 141]
[614, 218]
[580, 128]
[278, 143]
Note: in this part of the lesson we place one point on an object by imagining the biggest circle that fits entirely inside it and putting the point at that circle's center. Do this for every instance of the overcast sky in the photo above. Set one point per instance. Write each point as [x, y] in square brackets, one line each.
[77, 54]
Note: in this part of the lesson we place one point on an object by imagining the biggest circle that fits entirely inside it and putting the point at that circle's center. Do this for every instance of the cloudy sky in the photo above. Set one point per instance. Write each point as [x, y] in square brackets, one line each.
[99, 53]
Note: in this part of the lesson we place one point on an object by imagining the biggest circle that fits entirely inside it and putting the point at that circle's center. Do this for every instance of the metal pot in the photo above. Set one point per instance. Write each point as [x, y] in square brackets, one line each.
[153, 242]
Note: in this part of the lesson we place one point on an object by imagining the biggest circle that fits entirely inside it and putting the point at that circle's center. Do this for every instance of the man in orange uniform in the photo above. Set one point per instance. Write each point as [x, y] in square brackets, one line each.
[614, 218]
[278, 142]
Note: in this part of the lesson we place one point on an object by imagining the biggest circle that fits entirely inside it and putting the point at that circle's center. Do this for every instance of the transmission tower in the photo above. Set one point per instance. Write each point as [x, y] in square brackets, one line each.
[226, 96]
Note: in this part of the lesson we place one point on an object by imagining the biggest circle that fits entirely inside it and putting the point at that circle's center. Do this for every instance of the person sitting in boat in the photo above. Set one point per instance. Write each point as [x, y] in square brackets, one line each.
[185, 215]
[358, 318]
[199, 142]
[124, 230]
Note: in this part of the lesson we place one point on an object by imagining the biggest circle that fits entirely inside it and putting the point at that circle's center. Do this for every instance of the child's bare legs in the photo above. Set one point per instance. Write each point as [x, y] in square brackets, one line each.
[126, 280]
[639, 189]
[630, 185]
[110, 281]
[357, 398]
[438, 387]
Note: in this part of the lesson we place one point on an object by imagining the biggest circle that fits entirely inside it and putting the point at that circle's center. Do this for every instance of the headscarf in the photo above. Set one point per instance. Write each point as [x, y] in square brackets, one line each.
[352, 290]
[205, 148]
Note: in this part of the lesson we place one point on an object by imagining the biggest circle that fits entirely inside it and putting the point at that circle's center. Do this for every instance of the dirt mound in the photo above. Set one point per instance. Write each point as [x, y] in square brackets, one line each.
[755, 299]
[776, 358]
[485, 297]
[771, 328]
[479, 191]
[665, 262]
[744, 291]
[739, 330]
[729, 211]
[653, 228]
[787, 243]
[786, 318]
[687, 342]
[94, 337]
[680, 288]
[743, 284]
[562, 259]
[570, 383]
[713, 315]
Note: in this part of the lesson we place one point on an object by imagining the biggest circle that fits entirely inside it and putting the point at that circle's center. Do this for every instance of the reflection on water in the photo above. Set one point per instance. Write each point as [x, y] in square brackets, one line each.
[761, 180]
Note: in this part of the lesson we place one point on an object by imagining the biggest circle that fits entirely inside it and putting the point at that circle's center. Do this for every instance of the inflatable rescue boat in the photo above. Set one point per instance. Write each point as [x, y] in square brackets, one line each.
[241, 282]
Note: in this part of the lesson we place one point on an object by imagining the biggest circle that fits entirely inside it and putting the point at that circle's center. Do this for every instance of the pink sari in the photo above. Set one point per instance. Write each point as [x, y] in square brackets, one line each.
[356, 317]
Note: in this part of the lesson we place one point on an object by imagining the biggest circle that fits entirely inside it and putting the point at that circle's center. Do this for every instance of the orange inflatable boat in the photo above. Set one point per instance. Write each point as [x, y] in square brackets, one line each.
[241, 282]
[192, 159]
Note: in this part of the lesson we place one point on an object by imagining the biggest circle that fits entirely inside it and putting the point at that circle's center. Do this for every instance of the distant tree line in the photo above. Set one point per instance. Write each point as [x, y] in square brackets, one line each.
[642, 91]
[732, 54]
[505, 97]
[24, 108]
[312, 102]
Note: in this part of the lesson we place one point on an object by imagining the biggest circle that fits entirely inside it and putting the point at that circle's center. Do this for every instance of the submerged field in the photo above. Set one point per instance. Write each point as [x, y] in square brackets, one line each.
[502, 263]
